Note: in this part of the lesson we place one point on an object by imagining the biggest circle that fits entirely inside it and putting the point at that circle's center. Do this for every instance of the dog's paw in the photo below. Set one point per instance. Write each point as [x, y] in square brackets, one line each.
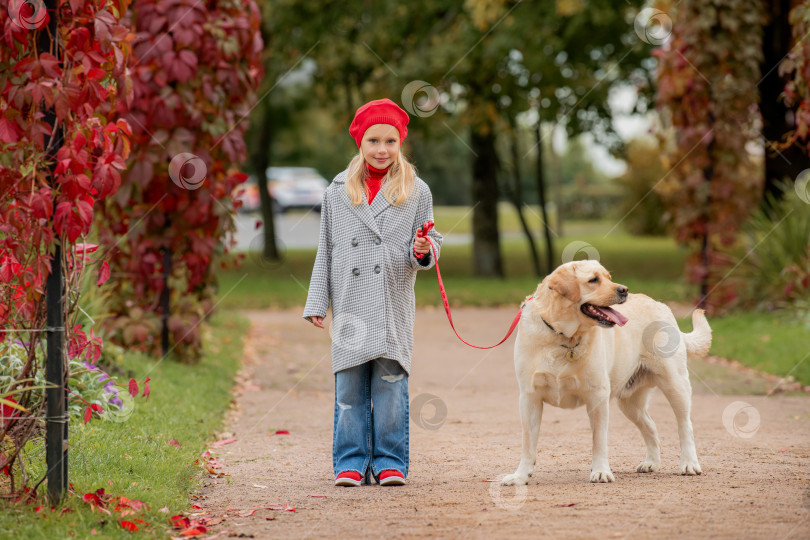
[648, 467]
[602, 477]
[691, 468]
[515, 480]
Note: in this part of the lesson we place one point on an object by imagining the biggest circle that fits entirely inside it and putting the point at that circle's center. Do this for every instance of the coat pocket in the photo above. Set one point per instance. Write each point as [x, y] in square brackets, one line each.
[400, 273]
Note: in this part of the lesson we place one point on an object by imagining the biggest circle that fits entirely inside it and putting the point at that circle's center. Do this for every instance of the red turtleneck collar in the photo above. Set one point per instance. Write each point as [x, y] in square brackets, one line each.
[374, 179]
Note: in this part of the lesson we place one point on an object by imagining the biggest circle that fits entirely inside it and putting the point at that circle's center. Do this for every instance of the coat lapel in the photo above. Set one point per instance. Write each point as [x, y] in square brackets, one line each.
[379, 203]
[363, 211]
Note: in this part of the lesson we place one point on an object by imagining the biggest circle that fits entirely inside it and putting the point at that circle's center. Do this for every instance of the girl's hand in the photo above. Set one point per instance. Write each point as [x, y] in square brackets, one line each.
[421, 245]
[317, 321]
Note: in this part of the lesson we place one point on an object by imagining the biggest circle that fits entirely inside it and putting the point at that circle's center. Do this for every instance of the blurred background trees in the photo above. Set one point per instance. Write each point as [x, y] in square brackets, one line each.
[527, 100]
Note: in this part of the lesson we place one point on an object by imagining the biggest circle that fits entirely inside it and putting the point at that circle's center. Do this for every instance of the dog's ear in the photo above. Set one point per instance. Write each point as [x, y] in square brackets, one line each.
[564, 282]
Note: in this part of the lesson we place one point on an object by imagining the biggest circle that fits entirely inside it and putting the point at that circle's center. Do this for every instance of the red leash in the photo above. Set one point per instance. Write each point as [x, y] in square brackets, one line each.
[423, 234]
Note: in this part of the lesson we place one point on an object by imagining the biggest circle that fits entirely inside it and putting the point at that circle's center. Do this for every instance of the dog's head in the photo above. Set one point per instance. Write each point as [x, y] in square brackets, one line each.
[579, 294]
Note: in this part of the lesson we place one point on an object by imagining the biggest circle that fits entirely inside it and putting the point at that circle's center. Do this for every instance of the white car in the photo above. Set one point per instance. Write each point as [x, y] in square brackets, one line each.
[289, 187]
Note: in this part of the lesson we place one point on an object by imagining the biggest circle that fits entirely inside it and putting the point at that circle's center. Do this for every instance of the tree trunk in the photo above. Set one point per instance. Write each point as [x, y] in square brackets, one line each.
[261, 161]
[541, 192]
[517, 194]
[486, 241]
[556, 167]
[777, 119]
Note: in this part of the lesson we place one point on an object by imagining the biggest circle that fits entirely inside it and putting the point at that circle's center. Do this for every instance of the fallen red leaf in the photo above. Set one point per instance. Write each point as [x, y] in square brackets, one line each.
[133, 388]
[146, 388]
[92, 498]
[289, 508]
[180, 522]
[246, 513]
[282, 432]
[174, 442]
[128, 525]
[223, 442]
[123, 502]
[194, 531]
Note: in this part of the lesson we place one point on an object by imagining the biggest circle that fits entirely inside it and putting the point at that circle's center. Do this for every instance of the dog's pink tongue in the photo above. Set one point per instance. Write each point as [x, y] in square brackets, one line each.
[613, 315]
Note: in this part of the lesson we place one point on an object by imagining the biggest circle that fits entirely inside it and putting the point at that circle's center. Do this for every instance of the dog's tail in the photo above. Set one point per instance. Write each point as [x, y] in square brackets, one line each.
[699, 340]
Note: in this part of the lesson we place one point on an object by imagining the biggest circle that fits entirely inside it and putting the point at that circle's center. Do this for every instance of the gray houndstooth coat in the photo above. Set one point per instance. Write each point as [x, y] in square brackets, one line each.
[365, 267]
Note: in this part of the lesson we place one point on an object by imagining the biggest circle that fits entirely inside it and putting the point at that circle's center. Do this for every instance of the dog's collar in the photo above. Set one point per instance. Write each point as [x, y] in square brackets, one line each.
[570, 354]
[551, 327]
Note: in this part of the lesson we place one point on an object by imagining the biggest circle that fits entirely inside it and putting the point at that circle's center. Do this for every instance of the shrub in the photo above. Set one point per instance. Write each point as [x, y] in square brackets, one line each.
[774, 262]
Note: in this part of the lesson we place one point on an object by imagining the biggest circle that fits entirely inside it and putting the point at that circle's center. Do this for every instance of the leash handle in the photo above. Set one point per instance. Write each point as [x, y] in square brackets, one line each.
[447, 304]
[423, 233]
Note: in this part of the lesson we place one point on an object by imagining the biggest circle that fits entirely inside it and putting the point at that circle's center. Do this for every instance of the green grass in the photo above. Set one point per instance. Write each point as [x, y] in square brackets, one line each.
[769, 342]
[133, 458]
[652, 265]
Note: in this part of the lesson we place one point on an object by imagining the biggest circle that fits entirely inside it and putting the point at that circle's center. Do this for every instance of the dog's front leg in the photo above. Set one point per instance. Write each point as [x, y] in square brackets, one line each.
[531, 414]
[598, 408]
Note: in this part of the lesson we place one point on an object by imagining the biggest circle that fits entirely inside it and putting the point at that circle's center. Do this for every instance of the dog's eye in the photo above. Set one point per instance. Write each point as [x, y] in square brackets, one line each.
[594, 280]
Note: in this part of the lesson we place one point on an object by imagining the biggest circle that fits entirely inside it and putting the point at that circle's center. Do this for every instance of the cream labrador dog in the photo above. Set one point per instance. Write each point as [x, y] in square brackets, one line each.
[573, 349]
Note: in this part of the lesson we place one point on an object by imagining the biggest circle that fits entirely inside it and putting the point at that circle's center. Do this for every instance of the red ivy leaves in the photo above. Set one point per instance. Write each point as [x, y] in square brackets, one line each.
[88, 412]
[80, 345]
[103, 274]
[133, 388]
[177, 71]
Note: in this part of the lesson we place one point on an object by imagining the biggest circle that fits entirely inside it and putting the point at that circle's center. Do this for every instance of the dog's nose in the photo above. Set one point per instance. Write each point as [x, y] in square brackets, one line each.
[621, 290]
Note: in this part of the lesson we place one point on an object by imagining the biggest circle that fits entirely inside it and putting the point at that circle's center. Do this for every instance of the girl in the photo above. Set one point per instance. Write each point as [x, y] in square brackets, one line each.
[368, 255]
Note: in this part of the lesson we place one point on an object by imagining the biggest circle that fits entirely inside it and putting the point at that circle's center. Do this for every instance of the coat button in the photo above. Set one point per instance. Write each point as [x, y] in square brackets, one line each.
[377, 269]
[354, 242]
[377, 241]
[356, 271]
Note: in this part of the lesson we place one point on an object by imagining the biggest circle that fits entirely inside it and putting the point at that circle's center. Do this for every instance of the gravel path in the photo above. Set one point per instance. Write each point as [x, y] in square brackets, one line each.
[755, 484]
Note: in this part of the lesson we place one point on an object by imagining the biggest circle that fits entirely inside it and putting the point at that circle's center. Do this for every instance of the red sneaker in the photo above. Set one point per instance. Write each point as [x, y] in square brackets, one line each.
[392, 478]
[348, 479]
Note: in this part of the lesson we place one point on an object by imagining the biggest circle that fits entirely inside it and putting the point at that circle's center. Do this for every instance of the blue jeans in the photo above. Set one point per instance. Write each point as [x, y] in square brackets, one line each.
[375, 435]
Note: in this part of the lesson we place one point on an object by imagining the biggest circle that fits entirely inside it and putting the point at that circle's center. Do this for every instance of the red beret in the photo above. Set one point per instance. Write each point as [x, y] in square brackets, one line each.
[379, 111]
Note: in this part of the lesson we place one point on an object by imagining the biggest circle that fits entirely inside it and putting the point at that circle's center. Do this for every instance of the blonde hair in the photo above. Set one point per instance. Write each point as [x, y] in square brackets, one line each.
[398, 183]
